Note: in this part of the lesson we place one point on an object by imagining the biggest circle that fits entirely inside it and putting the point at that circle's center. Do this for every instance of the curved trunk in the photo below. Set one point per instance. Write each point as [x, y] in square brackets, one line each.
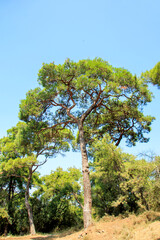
[29, 209]
[86, 181]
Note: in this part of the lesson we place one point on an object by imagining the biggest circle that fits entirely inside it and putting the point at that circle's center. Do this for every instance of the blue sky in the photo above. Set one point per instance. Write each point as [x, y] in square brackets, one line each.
[125, 33]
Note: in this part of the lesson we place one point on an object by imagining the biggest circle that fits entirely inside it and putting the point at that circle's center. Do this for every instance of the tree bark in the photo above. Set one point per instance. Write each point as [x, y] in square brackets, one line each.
[10, 196]
[6, 230]
[29, 209]
[86, 181]
[144, 202]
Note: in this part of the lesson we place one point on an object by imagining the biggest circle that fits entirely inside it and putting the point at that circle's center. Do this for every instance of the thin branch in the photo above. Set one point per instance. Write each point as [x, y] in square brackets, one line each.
[75, 195]
[74, 104]
[58, 124]
[39, 165]
[120, 138]
[94, 105]
[12, 175]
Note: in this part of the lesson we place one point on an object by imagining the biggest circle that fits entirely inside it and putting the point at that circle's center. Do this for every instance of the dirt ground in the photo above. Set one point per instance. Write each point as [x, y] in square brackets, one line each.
[143, 227]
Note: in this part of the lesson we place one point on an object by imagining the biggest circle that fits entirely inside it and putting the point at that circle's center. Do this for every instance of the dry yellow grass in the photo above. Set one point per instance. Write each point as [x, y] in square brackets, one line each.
[142, 227]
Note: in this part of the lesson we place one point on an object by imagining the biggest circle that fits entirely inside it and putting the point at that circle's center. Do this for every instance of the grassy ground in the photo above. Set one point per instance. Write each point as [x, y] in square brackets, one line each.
[142, 227]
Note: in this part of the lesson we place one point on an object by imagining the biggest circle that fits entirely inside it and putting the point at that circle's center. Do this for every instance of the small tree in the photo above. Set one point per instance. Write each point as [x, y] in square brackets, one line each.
[59, 197]
[11, 185]
[93, 97]
[106, 168]
[20, 151]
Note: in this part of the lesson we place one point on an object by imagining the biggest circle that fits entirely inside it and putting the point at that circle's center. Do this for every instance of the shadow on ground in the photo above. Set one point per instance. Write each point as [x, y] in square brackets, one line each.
[53, 236]
[44, 238]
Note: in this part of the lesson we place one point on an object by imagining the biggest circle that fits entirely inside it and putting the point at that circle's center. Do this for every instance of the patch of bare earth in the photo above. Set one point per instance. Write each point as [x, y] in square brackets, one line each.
[143, 227]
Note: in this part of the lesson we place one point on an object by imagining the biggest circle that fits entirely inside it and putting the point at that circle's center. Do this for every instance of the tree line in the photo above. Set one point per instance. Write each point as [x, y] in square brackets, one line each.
[89, 106]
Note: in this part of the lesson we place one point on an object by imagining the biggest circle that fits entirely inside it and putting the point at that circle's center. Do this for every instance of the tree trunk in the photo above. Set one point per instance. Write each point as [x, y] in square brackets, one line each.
[144, 202]
[86, 181]
[10, 196]
[29, 209]
[6, 229]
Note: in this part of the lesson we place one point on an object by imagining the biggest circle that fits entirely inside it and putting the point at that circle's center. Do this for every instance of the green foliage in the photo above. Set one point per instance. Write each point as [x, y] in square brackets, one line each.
[61, 183]
[94, 97]
[30, 139]
[111, 99]
[154, 194]
[19, 152]
[121, 183]
[31, 104]
[153, 75]
[106, 100]
[4, 214]
[11, 180]
[54, 203]
[136, 185]
[55, 213]
[106, 171]
[13, 165]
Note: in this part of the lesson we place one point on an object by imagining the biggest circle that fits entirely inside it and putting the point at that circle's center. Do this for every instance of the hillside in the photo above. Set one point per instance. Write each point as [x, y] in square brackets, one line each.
[143, 227]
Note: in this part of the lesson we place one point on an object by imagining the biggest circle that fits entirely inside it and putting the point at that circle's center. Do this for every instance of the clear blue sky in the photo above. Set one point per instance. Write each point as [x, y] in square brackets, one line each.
[125, 33]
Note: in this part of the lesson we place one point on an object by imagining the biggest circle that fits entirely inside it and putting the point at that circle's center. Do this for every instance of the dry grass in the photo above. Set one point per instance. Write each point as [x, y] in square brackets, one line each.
[143, 227]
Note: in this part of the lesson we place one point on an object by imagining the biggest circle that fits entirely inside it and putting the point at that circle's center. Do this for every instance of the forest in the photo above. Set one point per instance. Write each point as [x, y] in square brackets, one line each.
[87, 106]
